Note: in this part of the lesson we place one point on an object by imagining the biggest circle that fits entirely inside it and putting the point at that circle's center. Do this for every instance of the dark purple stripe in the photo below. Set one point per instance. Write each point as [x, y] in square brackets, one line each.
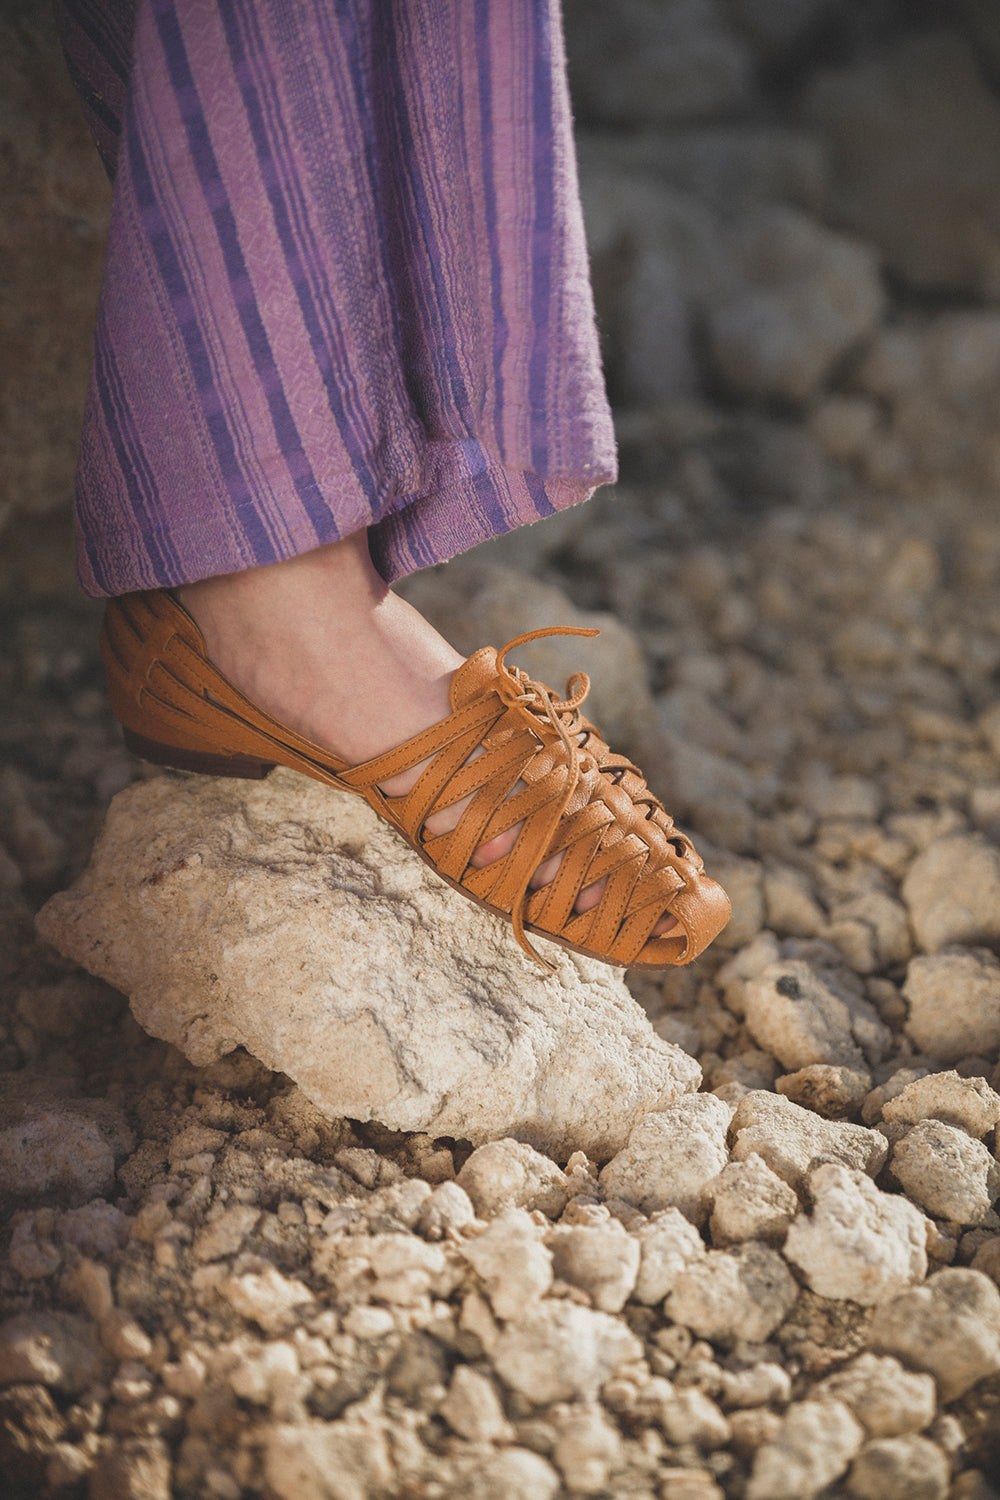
[203, 156]
[542, 235]
[489, 194]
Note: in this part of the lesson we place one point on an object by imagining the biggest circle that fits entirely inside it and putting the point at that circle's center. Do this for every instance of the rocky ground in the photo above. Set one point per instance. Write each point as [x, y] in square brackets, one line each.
[785, 1284]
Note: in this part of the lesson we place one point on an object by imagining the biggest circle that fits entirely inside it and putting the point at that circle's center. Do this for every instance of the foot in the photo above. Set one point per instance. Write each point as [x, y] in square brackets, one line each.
[322, 644]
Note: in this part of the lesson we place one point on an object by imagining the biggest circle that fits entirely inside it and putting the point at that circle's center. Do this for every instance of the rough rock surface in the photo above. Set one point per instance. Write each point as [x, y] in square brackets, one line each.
[950, 1326]
[857, 1243]
[286, 918]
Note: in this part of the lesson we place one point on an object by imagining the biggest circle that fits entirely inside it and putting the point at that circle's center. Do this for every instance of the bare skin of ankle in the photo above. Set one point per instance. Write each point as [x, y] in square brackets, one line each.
[323, 645]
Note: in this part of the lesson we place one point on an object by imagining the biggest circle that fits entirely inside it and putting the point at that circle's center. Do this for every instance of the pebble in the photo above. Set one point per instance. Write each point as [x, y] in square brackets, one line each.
[858, 1243]
[950, 1327]
[812, 1447]
[969, 1103]
[750, 1202]
[793, 1015]
[668, 1244]
[899, 1468]
[791, 1139]
[512, 1263]
[587, 1448]
[561, 1352]
[954, 1001]
[952, 892]
[601, 1260]
[834, 1092]
[886, 1398]
[56, 1349]
[510, 1174]
[948, 1172]
[473, 1409]
[731, 1295]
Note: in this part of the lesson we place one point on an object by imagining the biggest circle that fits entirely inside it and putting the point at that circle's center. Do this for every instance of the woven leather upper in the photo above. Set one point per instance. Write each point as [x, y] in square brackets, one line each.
[520, 754]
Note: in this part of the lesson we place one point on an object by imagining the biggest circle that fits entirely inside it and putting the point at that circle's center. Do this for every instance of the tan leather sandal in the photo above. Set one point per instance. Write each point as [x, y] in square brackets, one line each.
[520, 755]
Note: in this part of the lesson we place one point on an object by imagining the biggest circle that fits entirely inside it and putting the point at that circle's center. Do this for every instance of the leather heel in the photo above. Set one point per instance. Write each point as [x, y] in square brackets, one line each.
[202, 761]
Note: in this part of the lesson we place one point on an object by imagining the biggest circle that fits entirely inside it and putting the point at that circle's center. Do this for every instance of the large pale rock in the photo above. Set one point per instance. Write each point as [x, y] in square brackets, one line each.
[858, 1243]
[950, 1327]
[561, 1352]
[969, 1103]
[285, 917]
[954, 1000]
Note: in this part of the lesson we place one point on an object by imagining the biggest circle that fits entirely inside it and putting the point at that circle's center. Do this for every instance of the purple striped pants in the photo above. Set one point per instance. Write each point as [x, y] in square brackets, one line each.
[345, 286]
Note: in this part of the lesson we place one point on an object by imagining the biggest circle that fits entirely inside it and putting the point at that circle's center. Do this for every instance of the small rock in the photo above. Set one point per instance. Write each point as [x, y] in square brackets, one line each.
[64, 1150]
[887, 1399]
[730, 1295]
[833, 1092]
[668, 1244]
[224, 1233]
[813, 1446]
[950, 1327]
[266, 1297]
[857, 1244]
[512, 1263]
[899, 1468]
[602, 1260]
[123, 1337]
[792, 909]
[446, 1212]
[587, 1448]
[473, 1409]
[300, 1458]
[791, 1140]
[763, 1384]
[801, 296]
[134, 1469]
[562, 1352]
[671, 1157]
[693, 1417]
[954, 1000]
[793, 1015]
[54, 1349]
[969, 1103]
[750, 1202]
[513, 1474]
[947, 1171]
[952, 891]
[509, 1174]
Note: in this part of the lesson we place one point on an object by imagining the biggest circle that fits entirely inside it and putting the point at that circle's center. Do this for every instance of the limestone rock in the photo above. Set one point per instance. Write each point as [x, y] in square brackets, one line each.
[472, 1407]
[511, 1261]
[561, 1352]
[887, 1399]
[671, 1157]
[728, 1295]
[601, 1259]
[62, 1148]
[858, 1243]
[512, 1474]
[834, 1092]
[952, 891]
[299, 1458]
[791, 1140]
[54, 1349]
[969, 1103]
[813, 1446]
[950, 1327]
[901, 1468]
[947, 1172]
[287, 918]
[668, 1244]
[954, 1000]
[750, 1202]
[510, 1174]
[587, 1447]
[793, 1015]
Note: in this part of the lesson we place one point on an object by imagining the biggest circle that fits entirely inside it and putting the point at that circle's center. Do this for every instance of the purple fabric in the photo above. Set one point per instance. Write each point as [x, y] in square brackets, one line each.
[346, 283]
